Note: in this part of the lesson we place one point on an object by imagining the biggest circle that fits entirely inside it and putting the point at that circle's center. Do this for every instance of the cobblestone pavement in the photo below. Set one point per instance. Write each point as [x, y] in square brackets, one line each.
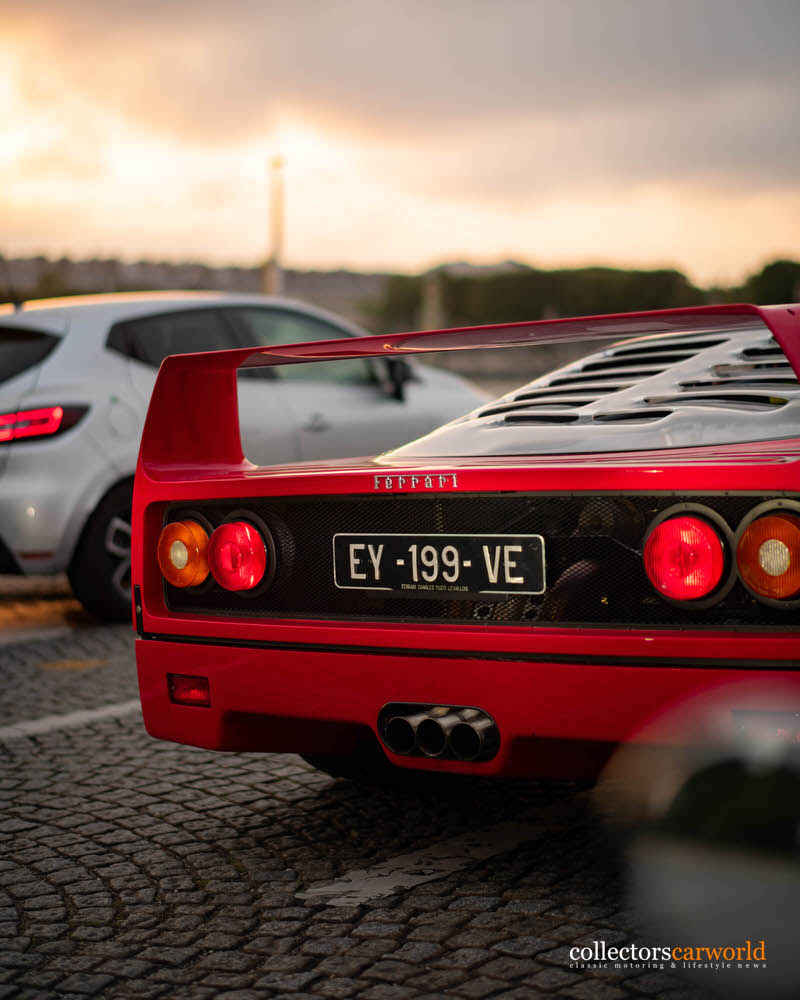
[133, 868]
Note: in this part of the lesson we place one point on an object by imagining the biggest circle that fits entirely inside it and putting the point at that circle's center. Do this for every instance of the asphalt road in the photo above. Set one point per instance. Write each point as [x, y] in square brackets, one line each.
[133, 868]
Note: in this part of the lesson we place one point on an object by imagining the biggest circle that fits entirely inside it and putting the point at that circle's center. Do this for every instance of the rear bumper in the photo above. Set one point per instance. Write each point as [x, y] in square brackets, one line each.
[556, 717]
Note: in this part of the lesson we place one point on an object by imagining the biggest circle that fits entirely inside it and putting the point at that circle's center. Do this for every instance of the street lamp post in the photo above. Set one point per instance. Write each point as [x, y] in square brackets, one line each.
[273, 267]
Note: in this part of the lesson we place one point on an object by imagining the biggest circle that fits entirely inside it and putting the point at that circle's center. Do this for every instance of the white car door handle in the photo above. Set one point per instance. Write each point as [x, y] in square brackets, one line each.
[316, 422]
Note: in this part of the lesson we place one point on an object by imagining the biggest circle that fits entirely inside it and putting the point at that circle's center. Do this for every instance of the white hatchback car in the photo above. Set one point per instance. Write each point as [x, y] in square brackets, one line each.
[76, 376]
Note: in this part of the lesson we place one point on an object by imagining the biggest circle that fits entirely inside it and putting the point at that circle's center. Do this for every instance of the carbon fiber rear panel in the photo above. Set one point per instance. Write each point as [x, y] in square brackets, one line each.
[593, 543]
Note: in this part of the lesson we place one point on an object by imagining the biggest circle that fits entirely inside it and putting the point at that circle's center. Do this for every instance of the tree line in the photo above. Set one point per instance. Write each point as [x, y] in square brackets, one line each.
[523, 293]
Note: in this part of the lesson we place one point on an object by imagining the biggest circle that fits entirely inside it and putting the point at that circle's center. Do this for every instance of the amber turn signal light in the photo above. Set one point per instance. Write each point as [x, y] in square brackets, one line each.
[183, 553]
[768, 556]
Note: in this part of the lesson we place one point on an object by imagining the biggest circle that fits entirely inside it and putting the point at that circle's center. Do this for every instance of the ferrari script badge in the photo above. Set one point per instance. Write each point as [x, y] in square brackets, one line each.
[433, 481]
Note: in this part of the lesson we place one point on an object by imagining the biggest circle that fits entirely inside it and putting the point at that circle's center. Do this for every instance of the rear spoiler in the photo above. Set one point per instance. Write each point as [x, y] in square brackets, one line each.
[193, 418]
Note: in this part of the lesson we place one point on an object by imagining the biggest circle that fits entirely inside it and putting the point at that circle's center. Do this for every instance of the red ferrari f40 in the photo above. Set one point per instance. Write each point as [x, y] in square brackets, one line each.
[518, 592]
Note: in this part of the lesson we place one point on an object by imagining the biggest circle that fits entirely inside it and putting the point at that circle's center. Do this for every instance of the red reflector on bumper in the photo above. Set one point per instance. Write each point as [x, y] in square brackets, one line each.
[185, 690]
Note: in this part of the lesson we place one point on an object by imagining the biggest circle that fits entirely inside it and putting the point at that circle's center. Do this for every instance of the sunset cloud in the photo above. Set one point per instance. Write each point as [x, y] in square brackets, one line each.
[624, 131]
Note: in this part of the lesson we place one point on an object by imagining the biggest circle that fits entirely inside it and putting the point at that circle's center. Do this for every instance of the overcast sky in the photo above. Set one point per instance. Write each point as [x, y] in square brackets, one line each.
[613, 131]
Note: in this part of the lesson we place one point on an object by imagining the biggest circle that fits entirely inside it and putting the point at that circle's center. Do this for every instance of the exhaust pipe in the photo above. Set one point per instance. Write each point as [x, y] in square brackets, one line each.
[400, 732]
[447, 732]
[433, 733]
[475, 740]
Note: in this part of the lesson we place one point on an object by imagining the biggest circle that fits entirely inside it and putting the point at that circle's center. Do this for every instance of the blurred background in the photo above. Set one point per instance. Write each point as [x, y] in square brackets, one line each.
[407, 164]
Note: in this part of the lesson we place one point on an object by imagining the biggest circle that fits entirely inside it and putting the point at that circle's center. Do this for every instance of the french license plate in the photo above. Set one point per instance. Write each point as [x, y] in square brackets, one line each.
[456, 565]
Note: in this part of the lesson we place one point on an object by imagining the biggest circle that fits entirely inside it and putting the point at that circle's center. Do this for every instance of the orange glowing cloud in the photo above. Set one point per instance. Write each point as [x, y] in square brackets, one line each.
[546, 132]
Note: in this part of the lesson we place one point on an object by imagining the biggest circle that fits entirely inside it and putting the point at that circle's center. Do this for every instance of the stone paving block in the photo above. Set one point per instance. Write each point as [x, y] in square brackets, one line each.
[374, 948]
[549, 980]
[281, 928]
[168, 956]
[476, 989]
[136, 936]
[289, 963]
[284, 945]
[287, 982]
[476, 904]
[463, 958]
[524, 946]
[239, 995]
[430, 932]
[298, 996]
[369, 929]
[92, 933]
[227, 980]
[227, 961]
[564, 932]
[56, 947]
[20, 960]
[390, 971]
[47, 916]
[516, 907]
[338, 987]
[125, 968]
[319, 930]
[476, 938]
[386, 914]
[338, 914]
[417, 952]
[15, 943]
[327, 945]
[509, 968]
[23, 889]
[491, 919]
[136, 990]
[520, 993]
[39, 978]
[438, 980]
[342, 965]
[178, 977]
[85, 983]
[388, 992]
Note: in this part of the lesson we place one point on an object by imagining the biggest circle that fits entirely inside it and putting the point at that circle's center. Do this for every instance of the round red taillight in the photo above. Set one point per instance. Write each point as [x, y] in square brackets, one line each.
[237, 556]
[684, 558]
[182, 549]
[768, 556]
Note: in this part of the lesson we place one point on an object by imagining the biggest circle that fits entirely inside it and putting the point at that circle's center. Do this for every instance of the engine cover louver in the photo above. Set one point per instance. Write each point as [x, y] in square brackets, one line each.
[675, 390]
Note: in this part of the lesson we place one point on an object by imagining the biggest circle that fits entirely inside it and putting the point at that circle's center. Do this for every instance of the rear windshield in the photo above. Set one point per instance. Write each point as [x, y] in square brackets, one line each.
[21, 349]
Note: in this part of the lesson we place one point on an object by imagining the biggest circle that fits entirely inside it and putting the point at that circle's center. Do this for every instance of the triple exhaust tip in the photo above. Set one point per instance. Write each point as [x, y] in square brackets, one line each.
[441, 731]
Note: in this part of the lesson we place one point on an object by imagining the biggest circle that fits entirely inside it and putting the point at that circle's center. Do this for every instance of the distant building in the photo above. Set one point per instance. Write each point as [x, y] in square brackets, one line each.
[345, 292]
